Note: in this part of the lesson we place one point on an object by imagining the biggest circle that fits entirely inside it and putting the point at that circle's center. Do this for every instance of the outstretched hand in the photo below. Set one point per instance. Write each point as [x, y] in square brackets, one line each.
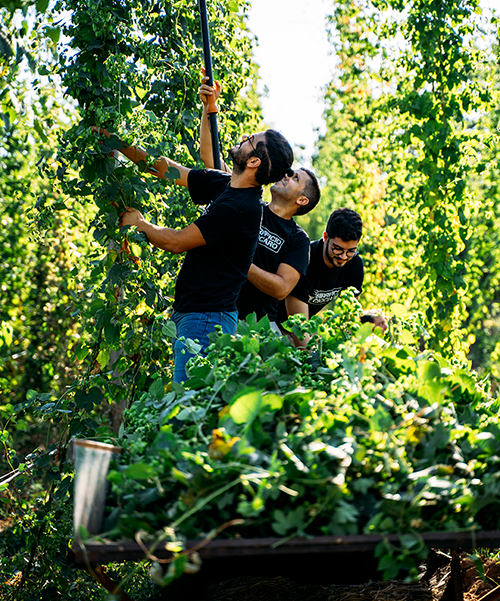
[130, 217]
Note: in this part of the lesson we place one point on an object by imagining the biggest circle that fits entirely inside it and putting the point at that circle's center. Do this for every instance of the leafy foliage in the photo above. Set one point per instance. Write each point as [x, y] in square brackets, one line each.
[83, 321]
[404, 148]
[138, 71]
[352, 436]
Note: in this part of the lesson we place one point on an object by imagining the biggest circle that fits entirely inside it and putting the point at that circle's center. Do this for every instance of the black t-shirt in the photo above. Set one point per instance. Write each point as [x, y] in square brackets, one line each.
[322, 284]
[280, 241]
[212, 275]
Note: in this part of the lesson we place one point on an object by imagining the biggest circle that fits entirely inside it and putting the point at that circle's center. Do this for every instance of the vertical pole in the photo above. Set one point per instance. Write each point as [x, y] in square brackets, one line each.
[212, 114]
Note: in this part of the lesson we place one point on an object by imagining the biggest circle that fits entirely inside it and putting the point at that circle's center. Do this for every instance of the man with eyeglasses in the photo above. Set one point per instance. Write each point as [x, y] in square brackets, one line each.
[334, 265]
[282, 252]
[220, 244]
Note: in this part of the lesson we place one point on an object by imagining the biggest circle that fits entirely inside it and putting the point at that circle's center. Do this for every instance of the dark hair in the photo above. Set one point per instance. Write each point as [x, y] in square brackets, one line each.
[369, 316]
[345, 224]
[311, 191]
[276, 158]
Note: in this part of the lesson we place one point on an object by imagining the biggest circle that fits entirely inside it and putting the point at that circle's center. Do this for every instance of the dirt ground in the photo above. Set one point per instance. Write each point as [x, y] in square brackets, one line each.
[475, 583]
[474, 586]
[282, 589]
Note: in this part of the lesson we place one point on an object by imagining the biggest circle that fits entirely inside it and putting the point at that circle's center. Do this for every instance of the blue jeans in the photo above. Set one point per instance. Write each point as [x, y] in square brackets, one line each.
[197, 326]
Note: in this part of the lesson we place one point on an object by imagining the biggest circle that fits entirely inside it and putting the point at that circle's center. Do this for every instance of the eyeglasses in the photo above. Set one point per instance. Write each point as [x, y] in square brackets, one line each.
[246, 138]
[338, 251]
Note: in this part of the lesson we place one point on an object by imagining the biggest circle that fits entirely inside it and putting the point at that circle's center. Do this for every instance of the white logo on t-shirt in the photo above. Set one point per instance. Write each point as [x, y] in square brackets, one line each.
[322, 297]
[269, 240]
[207, 208]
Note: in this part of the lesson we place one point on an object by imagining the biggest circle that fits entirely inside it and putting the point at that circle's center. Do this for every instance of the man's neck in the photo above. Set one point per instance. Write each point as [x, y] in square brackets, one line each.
[284, 211]
[243, 180]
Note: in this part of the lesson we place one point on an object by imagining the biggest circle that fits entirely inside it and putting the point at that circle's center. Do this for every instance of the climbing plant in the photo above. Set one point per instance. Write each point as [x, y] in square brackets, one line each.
[402, 133]
[136, 70]
[362, 169]
[436, 93]
[134, 67]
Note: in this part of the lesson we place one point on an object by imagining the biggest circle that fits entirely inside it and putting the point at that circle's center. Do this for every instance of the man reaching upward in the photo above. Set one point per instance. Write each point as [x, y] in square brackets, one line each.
[220, 244]
[282, 253]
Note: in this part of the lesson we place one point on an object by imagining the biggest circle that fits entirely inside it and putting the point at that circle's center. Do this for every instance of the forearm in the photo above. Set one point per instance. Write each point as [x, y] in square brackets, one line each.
[139, 155]
[271, 284]
[206, 151]
[159, 168]
[161, 237]
[175, 241]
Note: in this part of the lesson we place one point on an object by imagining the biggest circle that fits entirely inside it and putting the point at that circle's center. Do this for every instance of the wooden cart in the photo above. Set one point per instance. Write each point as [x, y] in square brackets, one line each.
[320, 560]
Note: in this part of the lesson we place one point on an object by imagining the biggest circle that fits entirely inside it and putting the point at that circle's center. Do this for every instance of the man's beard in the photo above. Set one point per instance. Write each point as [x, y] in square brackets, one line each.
[239, 157]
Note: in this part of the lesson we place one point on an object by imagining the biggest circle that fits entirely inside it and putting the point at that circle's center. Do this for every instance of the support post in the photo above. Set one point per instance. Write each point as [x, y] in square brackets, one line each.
[212, 109]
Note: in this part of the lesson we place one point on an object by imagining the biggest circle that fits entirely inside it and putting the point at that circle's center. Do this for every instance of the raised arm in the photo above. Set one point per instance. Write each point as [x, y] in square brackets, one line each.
[206, 153]
[138, 155]
[279, 284]
[174, 241]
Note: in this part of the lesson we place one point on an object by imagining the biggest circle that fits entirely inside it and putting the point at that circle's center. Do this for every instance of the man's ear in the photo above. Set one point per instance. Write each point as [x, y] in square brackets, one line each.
[253, 162]
[325, 237]
[302, 201]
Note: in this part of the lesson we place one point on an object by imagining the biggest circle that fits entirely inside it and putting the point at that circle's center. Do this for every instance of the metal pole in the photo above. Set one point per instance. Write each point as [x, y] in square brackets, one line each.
[208, 72]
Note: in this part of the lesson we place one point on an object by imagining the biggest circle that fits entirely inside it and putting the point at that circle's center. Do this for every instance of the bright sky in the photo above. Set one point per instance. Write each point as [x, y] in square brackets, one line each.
[296, 63]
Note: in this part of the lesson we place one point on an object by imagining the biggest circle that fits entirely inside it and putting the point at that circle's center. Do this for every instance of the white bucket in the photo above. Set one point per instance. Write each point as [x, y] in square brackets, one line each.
[91, 461]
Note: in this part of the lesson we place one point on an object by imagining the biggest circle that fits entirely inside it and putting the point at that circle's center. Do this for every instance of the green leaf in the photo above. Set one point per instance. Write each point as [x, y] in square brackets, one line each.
[479, 565]
[410, 541]
[284, 521]
[386, 562]
[140, 92]
[363, 332]
[112, 333]
[83, 533]
[157, 389]
[429, 370]
[95, 395]
[430, 386]
[31, 395]
[6, 332]
[42, 5]
[406, 337]
[246, 407]
[103, 358]
[5, 48]
[39, 128]
[381, 420]
[399, 310]
[345, 513]
[87, 399]
[172, 173]
[81, 352]
[139, 471]
[54, 33]
[273, 401]
[192, 347]
[114, 143]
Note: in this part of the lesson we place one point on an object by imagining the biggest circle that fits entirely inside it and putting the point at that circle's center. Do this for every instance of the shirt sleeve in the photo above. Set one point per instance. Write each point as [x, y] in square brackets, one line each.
[206, 184]
[301, 289]
[307, 280]
[297, 254]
